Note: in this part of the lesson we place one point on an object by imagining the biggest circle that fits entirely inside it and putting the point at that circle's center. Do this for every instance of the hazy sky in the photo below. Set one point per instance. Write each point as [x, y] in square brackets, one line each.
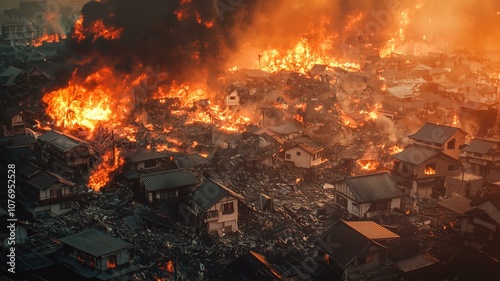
[7, 4]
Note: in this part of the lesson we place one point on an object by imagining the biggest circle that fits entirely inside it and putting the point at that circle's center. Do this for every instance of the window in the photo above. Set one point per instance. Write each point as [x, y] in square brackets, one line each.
[213, 214]
[364, 259]
[451, 144]
[232, 98]
[298, 153]
[342, 201]
[288, 156]
[477, 154]
[430, 169]
[379, 206]
[111, 263]
[56, 193]
[66, 205]
[452, 167]
[355, 209]
[169, 195]
[85, 258]
[227, 208]
[150, 163]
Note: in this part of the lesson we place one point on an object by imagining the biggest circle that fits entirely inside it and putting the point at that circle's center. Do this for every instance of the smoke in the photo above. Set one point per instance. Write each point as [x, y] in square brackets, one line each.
[185, 37]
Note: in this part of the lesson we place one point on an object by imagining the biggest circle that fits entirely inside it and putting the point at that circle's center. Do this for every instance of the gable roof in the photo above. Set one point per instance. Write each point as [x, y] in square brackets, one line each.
[457, 204]
[371, 230]
[415, 154]
[435, 133]
[343, 244]
[210, 192]
[400, 92]
[96, 243]
[373, 187]
[480, 146]
[168, 179]
[191, 161]
[309, 147]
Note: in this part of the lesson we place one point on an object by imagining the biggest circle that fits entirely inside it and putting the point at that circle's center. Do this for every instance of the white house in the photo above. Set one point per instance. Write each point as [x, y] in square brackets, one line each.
[304, 154]
[369, 195]
[232, 99]
[216, 208]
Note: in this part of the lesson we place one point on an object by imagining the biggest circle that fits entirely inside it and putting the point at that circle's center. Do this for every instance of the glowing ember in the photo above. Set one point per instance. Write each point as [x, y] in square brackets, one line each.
[48, 38]
[395, 149]
[429, 171]
[367, 165]
[100, 176]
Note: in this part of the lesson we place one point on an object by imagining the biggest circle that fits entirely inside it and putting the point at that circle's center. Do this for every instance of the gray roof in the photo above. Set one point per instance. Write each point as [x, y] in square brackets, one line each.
[210, 192]
[373, 187]
[43, 180]
[145, 154]
[434, 133]
[96, 243]
[415, 154]
[287, 128]
[480, 146]
[191, 161]
[343, 244]
[11, 71]
[61, 141]
[457, 204]
[168, 179]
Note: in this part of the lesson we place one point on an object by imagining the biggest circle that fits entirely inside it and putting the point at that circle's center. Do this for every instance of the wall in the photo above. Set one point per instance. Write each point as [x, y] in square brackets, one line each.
[54, 209]
[45, 194]
[302, 161]
[224, 219]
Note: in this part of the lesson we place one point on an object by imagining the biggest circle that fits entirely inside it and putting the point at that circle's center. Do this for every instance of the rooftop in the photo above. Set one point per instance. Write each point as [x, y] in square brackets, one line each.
[168, 179]
[435, 133]
[96, 243]
[210, 192]
[373, 187]
[371, 230]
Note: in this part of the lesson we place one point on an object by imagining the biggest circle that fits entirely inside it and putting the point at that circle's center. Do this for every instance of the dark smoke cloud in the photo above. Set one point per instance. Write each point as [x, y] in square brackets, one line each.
[152, 34]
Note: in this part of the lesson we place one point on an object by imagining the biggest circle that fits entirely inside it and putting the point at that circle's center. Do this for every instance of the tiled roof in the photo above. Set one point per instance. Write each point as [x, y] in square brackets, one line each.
[96, 243]
[434, 133]
[373, 187]
[61, 141]
[457, 204]
[371, 230]
[415, 154]
[287, 128]
[168, 179]
[145, 154]
[480, 146]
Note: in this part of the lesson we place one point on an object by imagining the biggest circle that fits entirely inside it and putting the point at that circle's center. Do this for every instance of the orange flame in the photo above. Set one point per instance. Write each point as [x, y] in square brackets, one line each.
[98, 30]
[100, 175]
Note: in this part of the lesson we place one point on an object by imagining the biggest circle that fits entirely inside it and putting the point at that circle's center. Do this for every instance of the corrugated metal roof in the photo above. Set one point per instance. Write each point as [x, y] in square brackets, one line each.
[61, 141]
[457, 204]
[43, 180]
[96, 243]
[210, 192]
[415, 154]
[434, 133]
[480, 146]
[168, 179]
[371, 230]
[374, 187]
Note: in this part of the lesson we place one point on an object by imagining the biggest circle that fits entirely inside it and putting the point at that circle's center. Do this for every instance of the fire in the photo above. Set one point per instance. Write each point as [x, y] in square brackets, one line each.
[49, 38]
[98, 98]
[368, 165]
[301, 58]
[100, 176]
[455, 120]
[97, 29]
[429, 171]
[395, 149]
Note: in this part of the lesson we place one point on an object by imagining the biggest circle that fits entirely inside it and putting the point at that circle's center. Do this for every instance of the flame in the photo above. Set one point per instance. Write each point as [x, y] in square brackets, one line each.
[455, 121]
[48, 38]
[395, 149]
[368, 166]
[100, 175]
[97, 29]
[86, 103]
[429, 171]
[302, 58]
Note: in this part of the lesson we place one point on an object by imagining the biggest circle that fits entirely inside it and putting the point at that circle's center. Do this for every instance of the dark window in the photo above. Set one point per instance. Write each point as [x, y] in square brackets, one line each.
[228, 208]
[364, 259]
[165, 196]
[380, 206]
[150, 163]
[288, 156]
[342, 201]
[477, 154]
[298, 153]
[232, 98]
[452, 167]
[213, 214]
[451, 144]
[56, 193]
[65, 205]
